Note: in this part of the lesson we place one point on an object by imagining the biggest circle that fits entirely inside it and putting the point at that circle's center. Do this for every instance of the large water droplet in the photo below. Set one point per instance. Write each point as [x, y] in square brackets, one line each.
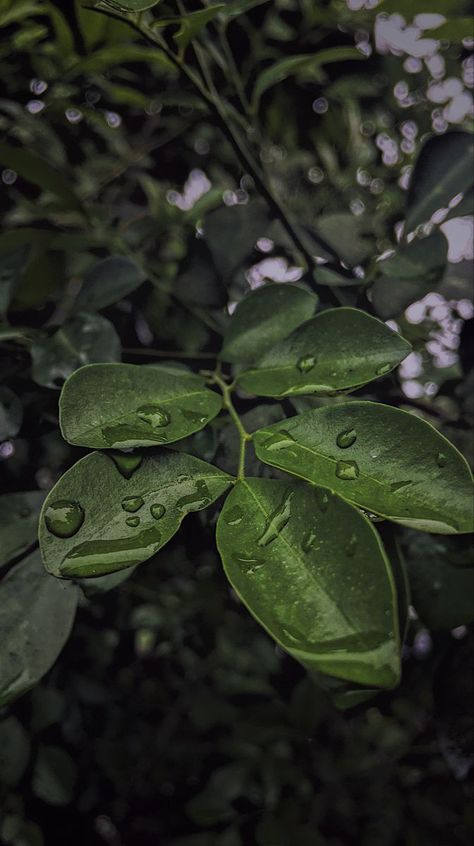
[127, 463]
[193, 416]
[279, 440]
[197, 498]
[132, 503]
[157, 510]
[234, 516]
[347, 438]
[306, 363]
[347, 470]
[293, 636]
[351, 546]
[308, 541]
[154, 415]
[441, 459]
[133, 522]
[276, 521]
[383, 369]
[397, 486]
[64, 518]
[322, 499]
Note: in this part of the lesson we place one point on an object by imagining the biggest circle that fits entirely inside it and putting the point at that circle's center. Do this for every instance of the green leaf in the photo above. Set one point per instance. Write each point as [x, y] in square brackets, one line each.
[337, 350]
[454, 30]
[442, 170]
[264, 317]
[11, 413]
[18, 523]
[130, 5]
[443, 595]
[409, 274]
[109, 281]
[356, 245]
[233, 8]
[84, 339]
[11, 268]
[232, 232]
[36, 616]
[54, 776]
[192, 24]
[104, 514]
[102, 60]
[37, 170]
[15, 748]
[128, 405]
[312, 570]
[305, 64]
[380, 458]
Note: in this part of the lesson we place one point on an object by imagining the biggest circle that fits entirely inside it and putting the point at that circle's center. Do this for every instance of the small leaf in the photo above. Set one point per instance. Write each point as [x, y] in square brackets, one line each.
[443, 169]
[232, 232]
[128, 405]
[264, 317]
[192, 24]
[109, 281]
[312, 570]
[11, 413]
[393, 464]
[35, 169]
[19, 514]
[337, 350]
[85, 339]
[54, 776]
[99, 519]
[36, 616]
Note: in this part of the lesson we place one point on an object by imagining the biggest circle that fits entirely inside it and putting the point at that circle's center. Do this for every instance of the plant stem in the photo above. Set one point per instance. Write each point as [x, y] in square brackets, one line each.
[244, 436]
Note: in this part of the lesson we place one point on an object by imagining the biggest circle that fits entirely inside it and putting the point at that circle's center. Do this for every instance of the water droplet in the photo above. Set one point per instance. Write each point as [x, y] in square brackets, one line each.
[279, 440]
[383, 369]
[347, 470]
[322, 499]
[276, 521]
[234, 516]
[248, 563]
[351, 546]
[306, 363]
[308, 541]
[182, 479]
[397, 486]
[441, 459]
[133, 522]
[193, 416]
[132, 503]
[154, 415]
[197, 498]
[157, 510]
[64, 518]
[346, 439]
[293, 636]
[127, 463]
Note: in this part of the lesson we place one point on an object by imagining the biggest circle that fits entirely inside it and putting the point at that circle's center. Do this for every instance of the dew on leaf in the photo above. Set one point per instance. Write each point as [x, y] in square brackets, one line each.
[132, 503]
[127, 463]
[276, 521]
[64, 518]
[279, 440]
[322, 499]
[441, 459]
[347, 470]
[193, 416]
[234, 516]
[346, 439]
[197, 498]
[306, 363]
[308, 541]
[248, 563]
[157, 510]
[383, 369]
[351, 546]
[133, 522]
[154, 415]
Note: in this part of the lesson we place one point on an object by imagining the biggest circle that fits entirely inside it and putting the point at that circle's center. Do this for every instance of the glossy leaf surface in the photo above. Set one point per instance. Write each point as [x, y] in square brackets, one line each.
[107, 513]
[36, 615]
[337, 350]
[312, 570]
[264, 317]
[127, 405]
[379, 458]
[19, 514]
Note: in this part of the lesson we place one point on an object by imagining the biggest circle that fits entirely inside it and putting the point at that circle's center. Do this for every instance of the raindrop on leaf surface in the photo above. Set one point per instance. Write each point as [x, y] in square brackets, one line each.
[127, 463]
[279, 440]
[308, 541]
[347, 470]
[383, 369]
[322, 499]
[193, 416]
[157, 510]
[234, 516]
[154, 415]
[132, 503]
[306, 363]
[441, 459]
[346, 439]
[64, 518]
[276, 521]
[351, 546]
[133, 522]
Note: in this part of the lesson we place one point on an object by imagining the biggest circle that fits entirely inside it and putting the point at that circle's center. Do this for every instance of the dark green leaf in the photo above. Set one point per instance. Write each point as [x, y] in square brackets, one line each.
[232, 232]
[54, 776]
[109, 281]
[347, 235]
[11, 413]
[379, 458]
[337, 350]
[37, 170]
[103, 515]
[11, 267]
[312, 571]
[100, 61]
[84, 339]
[192, 24]
[198, 282]
[130, 5]
[442, 170]
[264, 317]
[15, 750]
[127, 405]
[18, 523]
[36, 616]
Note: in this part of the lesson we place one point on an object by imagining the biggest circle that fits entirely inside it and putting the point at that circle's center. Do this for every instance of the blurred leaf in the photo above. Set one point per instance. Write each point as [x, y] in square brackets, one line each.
[193, 23]
[11, 267]
[232, 232]
[198, 281]
[15, 750]
[37, 170]
[54, 776]
[109, 281]
[11, 413]
[454, 30]
[19, 514]
[347, 235]
[103, 59]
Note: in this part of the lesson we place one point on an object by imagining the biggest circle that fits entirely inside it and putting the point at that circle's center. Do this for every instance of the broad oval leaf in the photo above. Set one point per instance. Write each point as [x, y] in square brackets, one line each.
[19, 514]
[36, 616]
[83, 339]
[264, 317]
[107, 513]
[443, 169]
[312, 570]
[109, 281]
[337, 350]
[380, 458]
[127, 405]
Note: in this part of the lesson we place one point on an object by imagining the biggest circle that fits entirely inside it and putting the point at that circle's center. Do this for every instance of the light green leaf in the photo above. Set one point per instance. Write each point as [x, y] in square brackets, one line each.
[109, 281]
[442, 170]
[337, 350]
[409, 274]
[128, 405]
[37, 170]
[36, 616]
[192, 24]
[11, 413]
[454, 30]
[305, 65]
[84, 339]
[19, 514]
[105, 514]
[264, 317]
[312, 570]
[380, 458]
